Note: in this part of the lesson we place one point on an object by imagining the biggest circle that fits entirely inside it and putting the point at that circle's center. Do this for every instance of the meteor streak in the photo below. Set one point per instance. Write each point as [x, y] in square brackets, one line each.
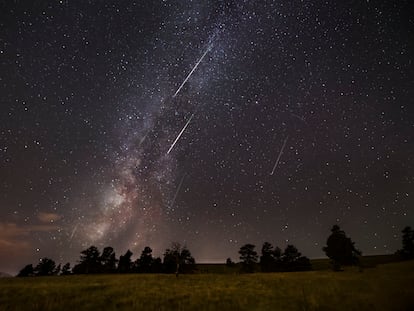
[143, 138]
[177, 191]
[280, 154]
[191, 72]
[73, 232]
[181, 133]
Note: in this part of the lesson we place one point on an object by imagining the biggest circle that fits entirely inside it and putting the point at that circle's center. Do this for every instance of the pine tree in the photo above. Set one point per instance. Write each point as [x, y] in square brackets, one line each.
[341, 249]
[248, 257]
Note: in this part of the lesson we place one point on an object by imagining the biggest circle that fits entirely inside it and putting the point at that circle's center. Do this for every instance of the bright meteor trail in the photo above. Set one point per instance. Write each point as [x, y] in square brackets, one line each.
[191, 72]
[181, 133]
[280, 154]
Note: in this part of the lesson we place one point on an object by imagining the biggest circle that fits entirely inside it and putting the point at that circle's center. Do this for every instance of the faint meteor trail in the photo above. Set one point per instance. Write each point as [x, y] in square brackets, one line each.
[191, 72]
[177, 191]
[280, 154]
[143, 138]
[73, 233]
[181, 133]
[299, 117]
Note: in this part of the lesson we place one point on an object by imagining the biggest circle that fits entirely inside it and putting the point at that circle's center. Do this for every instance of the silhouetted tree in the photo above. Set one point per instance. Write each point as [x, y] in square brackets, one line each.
[187, 262]
[66, 269]
[340, 249]
[125, 263]
[178, 259]
[170, 261]
[90, 262]
[156, 265]
[407, 251]
[293, 260]
[229, 262]
[277, 254]
[289, 257]
[291, 254]
[248, 257]
[26, 271]
[267, 259]
[145, 261]
[46, 266]
[108, 260]
[57, 269]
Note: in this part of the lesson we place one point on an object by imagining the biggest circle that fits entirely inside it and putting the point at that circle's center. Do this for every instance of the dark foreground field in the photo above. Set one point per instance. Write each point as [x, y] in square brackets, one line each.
[386, 287]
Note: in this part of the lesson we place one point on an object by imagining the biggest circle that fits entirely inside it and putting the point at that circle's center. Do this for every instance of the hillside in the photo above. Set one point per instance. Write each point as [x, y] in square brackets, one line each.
[385, 287]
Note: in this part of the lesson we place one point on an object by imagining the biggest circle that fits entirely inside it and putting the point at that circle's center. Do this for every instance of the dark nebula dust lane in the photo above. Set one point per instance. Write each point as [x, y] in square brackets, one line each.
[210, 123]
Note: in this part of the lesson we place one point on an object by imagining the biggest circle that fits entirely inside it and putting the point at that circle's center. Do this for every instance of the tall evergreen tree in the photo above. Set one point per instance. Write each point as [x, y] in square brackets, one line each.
[108, 260]
[28, 270]
[294, 261]
[407, 251]
[291, 254]
[46, 266]
[248, 257]
[125, 262]
[145, 261]
[341, 249]
[90, 262]
[178, 259]
[267, 259]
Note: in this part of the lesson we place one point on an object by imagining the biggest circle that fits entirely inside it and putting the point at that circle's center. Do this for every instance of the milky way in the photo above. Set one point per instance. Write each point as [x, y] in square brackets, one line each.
[136, 205]
[210, 123]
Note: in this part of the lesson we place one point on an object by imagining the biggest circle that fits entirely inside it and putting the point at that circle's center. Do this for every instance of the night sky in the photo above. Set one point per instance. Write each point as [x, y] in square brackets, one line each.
[294, 116]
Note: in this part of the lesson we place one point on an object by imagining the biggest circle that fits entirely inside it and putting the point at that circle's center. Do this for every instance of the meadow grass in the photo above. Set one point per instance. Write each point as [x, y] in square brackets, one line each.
[386, 287]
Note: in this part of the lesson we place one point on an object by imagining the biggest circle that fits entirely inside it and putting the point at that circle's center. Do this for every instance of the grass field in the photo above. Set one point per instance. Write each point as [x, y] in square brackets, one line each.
[385, 287]
[317, 264]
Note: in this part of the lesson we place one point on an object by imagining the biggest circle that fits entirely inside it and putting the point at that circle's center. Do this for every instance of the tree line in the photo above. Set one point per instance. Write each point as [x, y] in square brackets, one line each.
[272, 259]
[178, 259]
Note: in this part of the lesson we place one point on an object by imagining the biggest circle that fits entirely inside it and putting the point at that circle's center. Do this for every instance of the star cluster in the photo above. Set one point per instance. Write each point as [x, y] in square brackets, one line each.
[211, 123]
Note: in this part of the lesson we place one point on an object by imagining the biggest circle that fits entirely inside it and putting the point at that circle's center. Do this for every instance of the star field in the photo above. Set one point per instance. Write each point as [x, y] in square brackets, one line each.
[287, 118]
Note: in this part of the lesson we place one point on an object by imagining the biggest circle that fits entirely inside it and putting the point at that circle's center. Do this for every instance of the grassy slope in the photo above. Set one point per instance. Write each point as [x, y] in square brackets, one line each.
[317, 264]
[386, 287]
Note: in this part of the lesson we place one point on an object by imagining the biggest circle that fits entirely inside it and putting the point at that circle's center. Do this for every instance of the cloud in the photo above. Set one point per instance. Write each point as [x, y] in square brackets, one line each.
[48, 217]
[12, 248]
[12, 230]
[15, 242]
